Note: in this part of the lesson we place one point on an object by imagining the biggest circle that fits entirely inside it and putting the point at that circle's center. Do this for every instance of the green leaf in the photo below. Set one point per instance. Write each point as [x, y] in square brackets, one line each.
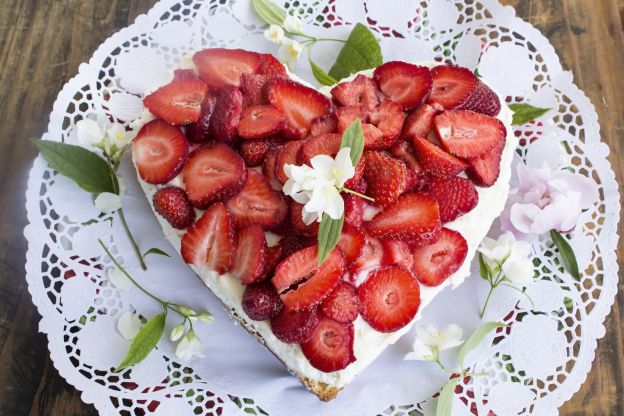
[483, 269]
[361, 51]
[87, 169]
[270, 12]
[144, 341]
[475, 339]
[523, 113]
[567, 254]
[328, 236]
[156, 251]
[321, 76]
[353, 138]
[445, 400]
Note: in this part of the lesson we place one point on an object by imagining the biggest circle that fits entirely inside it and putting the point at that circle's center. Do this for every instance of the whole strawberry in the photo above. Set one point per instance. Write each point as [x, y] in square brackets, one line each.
[173, 204]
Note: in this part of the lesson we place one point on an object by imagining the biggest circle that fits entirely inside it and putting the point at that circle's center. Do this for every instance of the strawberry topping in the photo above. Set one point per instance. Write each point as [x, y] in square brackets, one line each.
[289, 155]
[248, 263]
[295, 327]
[254, 152]
[456, 196]
[484, 169]
[361, 91]
[370, 257]
[174, 206]
[323, 124]
[397, 253]
[220, 67]
[261, 301]
[325, 144]
[406, 84]
[296, 221]
[342, 303]
[179, 102]
[252, 86]
[331, 347]
[467, 134]
[419, 122]
[434, 263]
[386, 177]
[353, 209]
[199, 132]
[435, 161]
[457, 88]
[261, 121]
[351, 242]
[226, 116]
[388, 119]
[270, 65]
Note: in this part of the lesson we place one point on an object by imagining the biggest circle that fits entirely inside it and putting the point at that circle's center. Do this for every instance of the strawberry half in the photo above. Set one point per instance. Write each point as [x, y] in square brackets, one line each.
[159, 152]
[254, 152]
[269, 167]
[406, 84]
[226, 115]
[386, 177]
[184, 75]
[252, 87]
[295, 327]
[293, 243]
[389, 298]
[456, 196]
[220, 67]
[331, 347]
[257, 203]
[302, 283]
[288, 155]
[397, 253]
[213, 173]
[388, 119]
[484, 170]
[325, 144]
[435, 161]
[351, 242]
[419, 122]
[260, 121]
[261, 301]
[370, 257]
[434, 263]
[199, 132]
[173, 204]
[270, 65]
[342, 303]
[353, 209]
[179, 102]
[323, 124]
[296, 221]
[467, 134]
[361, 91]
[249, 259]
[210, 241]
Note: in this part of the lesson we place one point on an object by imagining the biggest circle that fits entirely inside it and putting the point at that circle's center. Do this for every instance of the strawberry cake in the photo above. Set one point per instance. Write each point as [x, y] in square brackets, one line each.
[210, 157]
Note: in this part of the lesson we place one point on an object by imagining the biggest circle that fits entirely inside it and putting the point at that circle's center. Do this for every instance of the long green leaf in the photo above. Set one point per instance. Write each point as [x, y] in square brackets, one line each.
[353, 138]
[523, 113]
[567, 254]
[445, 400]
[328, 236]
[321, 76]
[475, 339]
[144, 341]
[268, 11]
[85, 168]
[361, 51]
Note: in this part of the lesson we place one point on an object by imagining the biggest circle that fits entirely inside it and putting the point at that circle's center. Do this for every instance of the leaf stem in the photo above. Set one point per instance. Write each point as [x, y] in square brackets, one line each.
[368, 198]
[131, 238]
[487, 301]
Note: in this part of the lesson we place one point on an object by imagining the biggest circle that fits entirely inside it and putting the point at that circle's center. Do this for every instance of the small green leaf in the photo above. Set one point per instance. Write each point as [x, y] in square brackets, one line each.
[328, 236]
[361, 51]
[270, 12]
[475, 339]
[87, 169]
[445, 400]
[144, 341]
[156, 251]
[523, 113]
[483, 269]
[353, 138]
[321, 76]
[477, 74]
[567, 254]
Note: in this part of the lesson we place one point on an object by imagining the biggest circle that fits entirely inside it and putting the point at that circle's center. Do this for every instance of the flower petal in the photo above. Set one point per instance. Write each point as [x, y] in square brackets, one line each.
[88, 132]
[128, 325]
[190, 347]
[107, 202]
[118, 279]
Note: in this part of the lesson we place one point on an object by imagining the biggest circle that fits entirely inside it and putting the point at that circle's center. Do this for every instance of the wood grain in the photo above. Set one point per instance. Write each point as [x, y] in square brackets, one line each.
[42, 43]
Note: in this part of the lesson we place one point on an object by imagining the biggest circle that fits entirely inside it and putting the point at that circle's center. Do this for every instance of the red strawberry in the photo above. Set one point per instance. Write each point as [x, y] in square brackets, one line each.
[210, 241]
[435, 161]
[221, 67]
[289, 155]
[159, 151]
[434, 263]
[249, 259]
[415, 182]
[406, 84]
[345, 116]
[484, 170]
[342, 303]
[273, 258]
[467, 134]
[361, 91]
[293, 243]
[226, 115]
[252, 86]
[300, 104]
[331, 347]
[482, 100]
[199, 132]
[386, 177]
[412, 218]
[323, 124]
[351, 242]
[356, 182]
[254, 152]
[325, 144]
[353, 210]
[388, 119]
[302, 283]
[261, 301]
[389, 298]
[184, 75]
[260, 121]
[178, 102]
[398, 253]
[370, 257]
[456, 196]
[174, 206]
[404, 151]
[419, 122]
[257, 203]
[295, 327]
[296, 220]
[268, 167]
[213, 174]
[270, 65]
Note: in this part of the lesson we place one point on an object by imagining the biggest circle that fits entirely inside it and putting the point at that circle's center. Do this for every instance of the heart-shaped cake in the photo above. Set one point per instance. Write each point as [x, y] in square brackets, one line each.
[210, 157]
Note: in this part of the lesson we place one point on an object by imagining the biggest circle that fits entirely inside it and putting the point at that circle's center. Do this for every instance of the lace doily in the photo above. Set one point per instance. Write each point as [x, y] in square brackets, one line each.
[537, 363]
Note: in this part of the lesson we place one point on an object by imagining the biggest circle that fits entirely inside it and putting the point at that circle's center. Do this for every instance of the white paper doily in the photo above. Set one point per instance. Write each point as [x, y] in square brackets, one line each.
[536, 364]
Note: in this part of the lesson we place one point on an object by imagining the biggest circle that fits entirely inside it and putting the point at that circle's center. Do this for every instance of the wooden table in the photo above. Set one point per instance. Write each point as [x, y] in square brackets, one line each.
[42, 42]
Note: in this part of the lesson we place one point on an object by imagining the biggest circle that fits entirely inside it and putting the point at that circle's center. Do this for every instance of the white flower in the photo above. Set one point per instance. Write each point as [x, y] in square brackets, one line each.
[118, 279]
[429, 342]
[89, 132]
[128, 325]
[289, 52]
[117, 135]
[274, 34]
[177, 332]
[513, 256]
[190, 347]
[205, 317]
[107, 202]
[293, 24]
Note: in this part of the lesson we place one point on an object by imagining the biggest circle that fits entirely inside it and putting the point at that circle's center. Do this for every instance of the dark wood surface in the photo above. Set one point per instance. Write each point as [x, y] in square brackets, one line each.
[42, 42]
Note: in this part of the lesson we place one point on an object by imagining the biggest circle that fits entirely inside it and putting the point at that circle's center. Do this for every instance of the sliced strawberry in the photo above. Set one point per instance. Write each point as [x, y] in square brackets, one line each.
[226, 115]
[458, 88]
[398, 253]
[289, 155]
[325, 144]
[257, 203]
[220, 67]
[386, 177]
[416, 182]
[419, 122]
[178, 102]
[261, 301]
[300, 104]
[254, 152]
[342, 303]
[356, 182]
[482, 100]
[345, 116]
[412, 218]
[270, 65]
[261, 121]
[184, 75]
[388, 119]
[361, 91]
[296, 221]
[213, 173]
[436, 161]
[434, 263]
[467, 134]
[389, 298]
[331, 347]
[252, 87]
[273, 258]
[370, 257]
[249, 259]
[323, 124]
[373, 137]
[484, 170]
[268, 167]
[293, 243]
[295, 327]
[456, 196]
[406, 84]
[159, 151]
[353, 210]
[210, 241]
[173, 204]
[302, 283]
[404, 151]
[199, 132]
[351, 242]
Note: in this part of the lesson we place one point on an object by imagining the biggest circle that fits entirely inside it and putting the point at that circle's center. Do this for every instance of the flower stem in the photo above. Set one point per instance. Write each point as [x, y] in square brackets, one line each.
[131, 238]
[487, 301]
[368, 198]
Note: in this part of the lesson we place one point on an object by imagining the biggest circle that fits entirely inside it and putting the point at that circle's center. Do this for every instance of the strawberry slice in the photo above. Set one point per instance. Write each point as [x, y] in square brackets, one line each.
[273, 258]
[293, 243]
[173, 204]
[289, 155]
[467, 134]
[261, 301]
[295, 327]
[226, 115]
[434, 263]
[252, 87]
[370, 256]
[353, 210]
[342, 304]
[220, 67]
[389, 298]
[213, 173]
[268, 167]
[254, 152]
[296, 221]
[210, 241]
[261, 121]
[159, 151]
[323, 124]
[199, 132]
[484, 170]
[404, 151]
[331, 347]
[302, 283]
[178, 102]
[435, 161]
[419, 122]
[456, 197]
[270, 65]
[361, 91]
[458, 88]
[351, 242]
[249, 259]
[184, 75]
[397, 253]
[406, 84]
[345, 116]
[325, 144]
[300, 104]
[412, 218]
[415, 182]
[386, 177]
[388, 119]
[482, 100]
